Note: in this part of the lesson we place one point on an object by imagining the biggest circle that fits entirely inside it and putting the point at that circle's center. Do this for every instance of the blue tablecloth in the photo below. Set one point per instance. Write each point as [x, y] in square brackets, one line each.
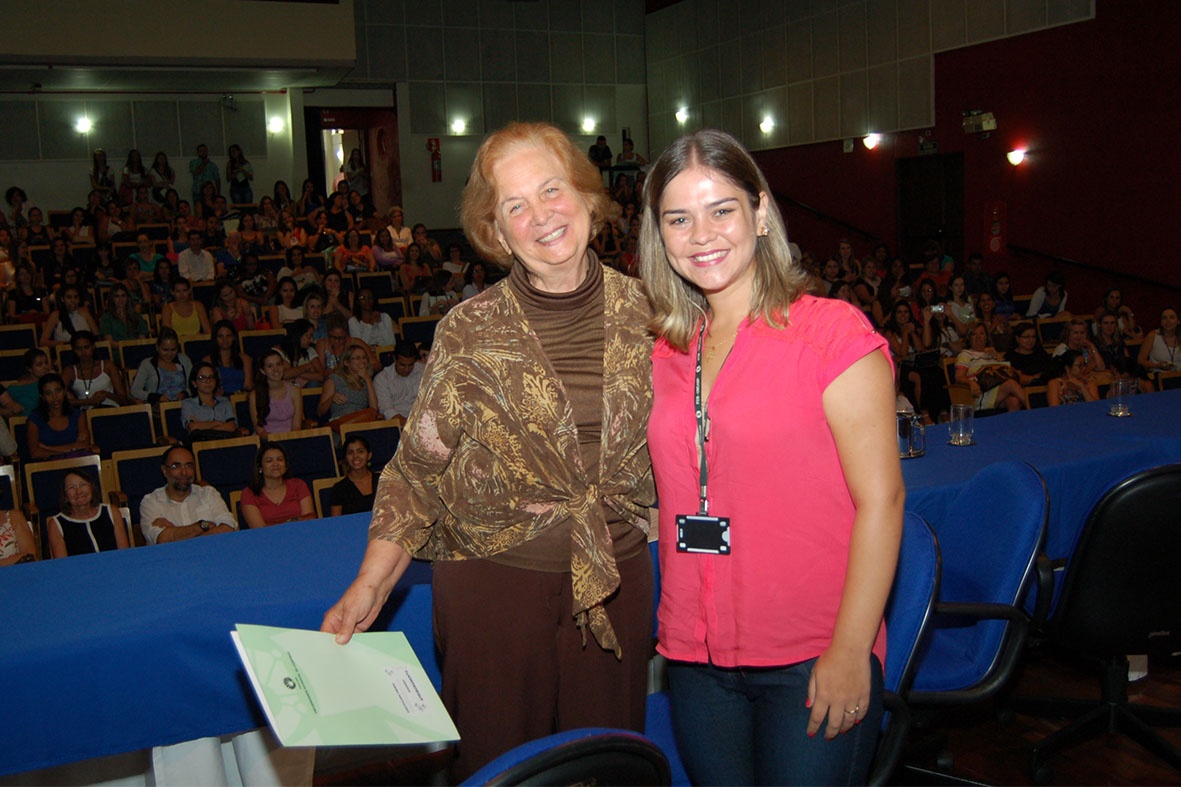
[1080, 450]
[126, 650]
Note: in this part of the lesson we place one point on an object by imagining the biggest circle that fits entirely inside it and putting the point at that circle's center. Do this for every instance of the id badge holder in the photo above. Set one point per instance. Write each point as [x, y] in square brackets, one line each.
[703, 534]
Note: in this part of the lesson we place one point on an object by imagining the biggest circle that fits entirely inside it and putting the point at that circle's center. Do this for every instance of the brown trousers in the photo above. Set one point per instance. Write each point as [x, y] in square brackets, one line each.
[514, 666]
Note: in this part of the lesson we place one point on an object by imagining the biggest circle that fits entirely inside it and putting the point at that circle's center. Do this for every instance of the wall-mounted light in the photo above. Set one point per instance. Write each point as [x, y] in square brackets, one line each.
[871, 141]
[682, 115]
[458, 126]
[767, 124]
[1016, 156]
[83, 125]
[588, 125]
[275, 125]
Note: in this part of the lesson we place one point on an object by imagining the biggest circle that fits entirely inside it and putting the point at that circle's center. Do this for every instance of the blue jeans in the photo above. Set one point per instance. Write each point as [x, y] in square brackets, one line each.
[749, 726]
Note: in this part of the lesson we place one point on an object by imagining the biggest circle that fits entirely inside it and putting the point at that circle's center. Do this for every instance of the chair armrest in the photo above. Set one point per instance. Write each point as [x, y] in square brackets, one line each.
[1011, 650]
[117, 499]
[1045, 590]
[894, 735]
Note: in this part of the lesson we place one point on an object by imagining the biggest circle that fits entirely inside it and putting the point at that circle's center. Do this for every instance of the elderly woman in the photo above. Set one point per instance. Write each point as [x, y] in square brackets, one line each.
[775, 639]
[85, 524]
[523, 470]
[993, 381]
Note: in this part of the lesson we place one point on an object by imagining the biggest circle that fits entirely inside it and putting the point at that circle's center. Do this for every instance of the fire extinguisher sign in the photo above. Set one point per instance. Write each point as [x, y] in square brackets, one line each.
[432, 146]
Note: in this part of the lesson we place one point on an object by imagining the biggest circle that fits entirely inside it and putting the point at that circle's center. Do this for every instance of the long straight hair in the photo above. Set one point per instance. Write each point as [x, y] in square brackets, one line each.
[679, 306]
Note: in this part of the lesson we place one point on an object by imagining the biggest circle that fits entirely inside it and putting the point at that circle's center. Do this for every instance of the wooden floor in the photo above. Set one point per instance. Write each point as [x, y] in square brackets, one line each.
[984, 751]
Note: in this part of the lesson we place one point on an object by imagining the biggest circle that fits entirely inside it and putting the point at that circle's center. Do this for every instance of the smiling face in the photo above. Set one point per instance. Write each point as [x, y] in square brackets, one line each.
[357, 456]
[710, 230]
[167, 349]
[224, 338]
[1168, 320]
[541, 218]
[79, 491]
[273, 464]
[272, 367]
[978, 337]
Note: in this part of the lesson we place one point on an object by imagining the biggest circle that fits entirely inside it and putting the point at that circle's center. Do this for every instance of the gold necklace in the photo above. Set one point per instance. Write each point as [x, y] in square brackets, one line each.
[711, 349]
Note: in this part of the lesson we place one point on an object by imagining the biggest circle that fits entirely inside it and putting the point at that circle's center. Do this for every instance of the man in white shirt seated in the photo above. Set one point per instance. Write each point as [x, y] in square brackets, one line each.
[397, 385]
[194, 263]
[181, 509]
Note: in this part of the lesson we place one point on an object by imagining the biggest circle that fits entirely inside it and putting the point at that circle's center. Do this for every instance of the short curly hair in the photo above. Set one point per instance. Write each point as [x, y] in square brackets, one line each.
[478, 207]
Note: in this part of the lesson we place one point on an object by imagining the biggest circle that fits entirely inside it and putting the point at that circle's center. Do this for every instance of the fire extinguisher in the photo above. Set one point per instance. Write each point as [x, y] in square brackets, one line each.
[432, 146]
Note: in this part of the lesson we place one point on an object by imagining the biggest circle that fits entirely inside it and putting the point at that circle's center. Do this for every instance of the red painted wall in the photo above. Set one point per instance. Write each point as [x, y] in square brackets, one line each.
[1097, 105]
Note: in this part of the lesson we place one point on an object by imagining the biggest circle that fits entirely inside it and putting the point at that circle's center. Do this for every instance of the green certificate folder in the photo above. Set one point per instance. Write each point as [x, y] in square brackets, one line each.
[318, 693]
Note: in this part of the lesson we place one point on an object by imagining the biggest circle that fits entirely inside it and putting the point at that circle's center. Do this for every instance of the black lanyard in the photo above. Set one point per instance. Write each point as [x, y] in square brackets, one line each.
[702, 427]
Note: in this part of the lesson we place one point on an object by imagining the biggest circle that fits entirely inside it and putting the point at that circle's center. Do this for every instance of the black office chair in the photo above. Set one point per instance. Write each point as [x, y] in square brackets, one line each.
[1119, 595]
[585, 756]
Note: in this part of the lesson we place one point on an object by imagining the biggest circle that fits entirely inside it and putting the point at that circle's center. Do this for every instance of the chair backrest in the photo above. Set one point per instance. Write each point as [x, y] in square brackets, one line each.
[1169, 380]
[241, 403]
[226, 465]
[1052, 330]
[380, 282]
[196, 346]
[121, 428]
[395, 307]
[18, 425]
[43, 480]
[255, 343]
[311, 399]
[136, 473]
[310, 453]
[589, 755]
[65, 353]
[12, 364]
[382, 437]
[1038, 396]
[1119, 592]
[419, 330]
[912, 601]
[18, 337]
[235, 506]
[989, 547]
[134, 351]
[170, 423]
[322, 495]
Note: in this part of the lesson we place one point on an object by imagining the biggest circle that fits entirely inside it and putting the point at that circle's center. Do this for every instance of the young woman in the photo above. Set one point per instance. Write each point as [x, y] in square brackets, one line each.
[1113, 302]
[160, 286]
[906, 342]
[234, 368]
[282, 195]
[105, 266]
[239, 174]
[163, 377]
[285, 310]
[1003, 295]
[784, 379]
[992, 381]
[91, 382]
[355, 492]
[80, 231]
[290, 235]
[476, 280]
[255, 284]
[386, 253]
[120, 321]
[371, 326]
[229, 306]
[352, 256]
[1158, 352]
[37, 233]
[362, 212]
[27, 301]
[309, 200]
[134, 174]
[267, 218]
[68, 318]
[25, 391]
[204, 414]
[1032, 363]
[1073, 385]
[414, 275]
[16, 537]
[275, 405]
[356, 173]
[56, 430]
[184, 315]
[162, 177]
[338, 218]
[249, 237]
[102, 179]
[303, 365]
[272, 497]
[322, 237]
[1000, 329]
[1049, 299]
[961, 313]
[348, 394]
[335, 298]
[85, 524]
[135, 282]
[112, 224]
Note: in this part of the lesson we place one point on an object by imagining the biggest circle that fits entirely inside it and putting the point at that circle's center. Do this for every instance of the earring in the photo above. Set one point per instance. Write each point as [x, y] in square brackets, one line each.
[764, 232]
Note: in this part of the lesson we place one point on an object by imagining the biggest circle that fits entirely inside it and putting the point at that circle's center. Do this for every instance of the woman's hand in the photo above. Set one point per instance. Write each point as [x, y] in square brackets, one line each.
[383, 566]
[840, 683]
[339, 399]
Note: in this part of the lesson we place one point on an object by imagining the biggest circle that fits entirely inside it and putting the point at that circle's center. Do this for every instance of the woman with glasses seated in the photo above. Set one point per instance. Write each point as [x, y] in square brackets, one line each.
[369, 325]
[1073, 385]
[204, 414]
[85, 524]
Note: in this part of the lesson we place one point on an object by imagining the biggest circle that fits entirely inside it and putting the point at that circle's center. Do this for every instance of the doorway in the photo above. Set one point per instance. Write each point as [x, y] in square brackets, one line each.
[931, 205]
[333, 133]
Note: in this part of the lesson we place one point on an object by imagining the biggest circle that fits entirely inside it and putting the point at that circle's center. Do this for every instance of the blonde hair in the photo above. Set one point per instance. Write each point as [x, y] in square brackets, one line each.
[354, 381]
[678, 306]
[478, 206]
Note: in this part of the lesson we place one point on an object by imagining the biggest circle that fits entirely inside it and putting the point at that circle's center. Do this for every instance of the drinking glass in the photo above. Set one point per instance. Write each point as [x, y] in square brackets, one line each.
[961, 429]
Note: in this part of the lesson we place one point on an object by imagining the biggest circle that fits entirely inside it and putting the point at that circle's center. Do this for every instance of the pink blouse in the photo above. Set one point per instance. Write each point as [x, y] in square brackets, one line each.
[278, 513]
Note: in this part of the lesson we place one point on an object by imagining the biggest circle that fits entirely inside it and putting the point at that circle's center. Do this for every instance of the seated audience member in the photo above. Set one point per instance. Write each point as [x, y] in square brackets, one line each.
[229, 258]
[330, 349]
[235, 368]
[25, 391]
[351, 256]
[414, 275]
[1002, 293]
[272, 497]
[397, 385]
[1113, 302]
[68, 318]
[137, 286]
[1049, 299]
[146, 256]
[455, 265]
[164, 376]
[386, 253]
[993, 381]
[289, 235]
[1000, 329]
[961, 312]
[438, 299]
[322, 238]
[182, 509]
[1032, 363]
[16, 537]
[204, 414]
[85, 524]
[1109, 342]
[104, 266]
[1074, 384]
[93, 382]
[937, 267]
[1079, 339]
[368, 324]
[275, 405]
[231, 307]
[120, 321]
[348, 394]
[906, 343]
[56, 430]
[629, 155]
[977, 280]
[336, 298]
[255, 284]
[398, 230]
[27, 301]
[160, 287]
[250, 236]
[303, 364]
[430, 247]
[1158, 352]
[306, 276]
[195, 263]
[313, 312]
[286, 310]
[476, 280]
[183, 314]
[354, 493]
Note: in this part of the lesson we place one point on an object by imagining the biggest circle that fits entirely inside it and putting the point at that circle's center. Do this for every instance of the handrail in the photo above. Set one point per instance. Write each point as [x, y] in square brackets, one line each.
[1123, 276]
[865, 234]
